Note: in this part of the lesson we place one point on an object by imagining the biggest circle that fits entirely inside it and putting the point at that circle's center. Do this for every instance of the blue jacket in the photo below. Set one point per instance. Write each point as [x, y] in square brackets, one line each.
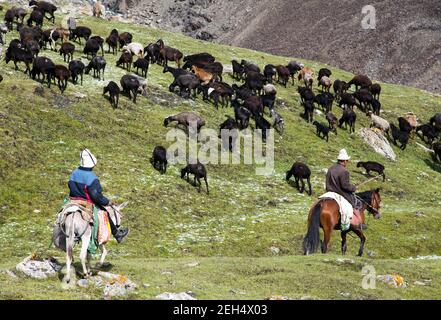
[85, 184]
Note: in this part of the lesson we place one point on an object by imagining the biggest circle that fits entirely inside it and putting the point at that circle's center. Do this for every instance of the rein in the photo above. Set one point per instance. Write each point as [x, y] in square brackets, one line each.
[367, 204]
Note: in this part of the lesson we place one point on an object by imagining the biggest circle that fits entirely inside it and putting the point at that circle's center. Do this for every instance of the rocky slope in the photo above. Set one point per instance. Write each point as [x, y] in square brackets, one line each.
[404, 48]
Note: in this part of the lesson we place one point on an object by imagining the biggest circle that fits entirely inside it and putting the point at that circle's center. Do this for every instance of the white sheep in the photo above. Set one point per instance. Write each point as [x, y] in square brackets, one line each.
[135, 48]
[378, 122]
[269, 89]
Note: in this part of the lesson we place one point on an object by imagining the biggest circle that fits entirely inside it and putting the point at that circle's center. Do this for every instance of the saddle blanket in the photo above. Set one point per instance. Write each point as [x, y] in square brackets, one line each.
[346, 210]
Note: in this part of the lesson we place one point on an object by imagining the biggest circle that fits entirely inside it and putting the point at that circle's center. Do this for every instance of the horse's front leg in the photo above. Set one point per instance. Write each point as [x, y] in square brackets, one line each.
[362, 241]
[343, 241]
[85, 240]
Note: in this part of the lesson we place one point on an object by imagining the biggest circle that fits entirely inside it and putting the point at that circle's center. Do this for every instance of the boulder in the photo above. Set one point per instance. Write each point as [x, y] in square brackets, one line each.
[378, 142]
[36, 268]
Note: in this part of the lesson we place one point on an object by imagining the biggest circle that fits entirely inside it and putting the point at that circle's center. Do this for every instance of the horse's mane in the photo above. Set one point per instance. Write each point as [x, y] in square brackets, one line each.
[366, 195]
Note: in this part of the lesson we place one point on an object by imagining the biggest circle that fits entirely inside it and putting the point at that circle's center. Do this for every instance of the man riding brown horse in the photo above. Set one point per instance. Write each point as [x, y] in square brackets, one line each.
[337, 181]
[335, 209]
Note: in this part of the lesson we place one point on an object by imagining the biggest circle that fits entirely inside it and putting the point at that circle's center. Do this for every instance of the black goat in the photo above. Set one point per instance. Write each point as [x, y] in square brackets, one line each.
[113, 90]
[98, 64]
[142, 64]
[325, 101]
[262, 124]
[241, 114]
[67, 49]
[300, 171]
[238, 70]
[80, 32]
[348, 118]
[159, 159]
[321, 130]
[76, 68]
[372, 166]
[199, 171]
[401, 136]
[308, 106]
[427, 131]
[404, 125]
[45, 67]
[92, 47]
[332, 122]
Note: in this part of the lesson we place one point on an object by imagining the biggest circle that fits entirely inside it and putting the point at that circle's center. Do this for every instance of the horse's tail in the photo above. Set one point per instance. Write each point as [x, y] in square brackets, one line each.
[311, 241]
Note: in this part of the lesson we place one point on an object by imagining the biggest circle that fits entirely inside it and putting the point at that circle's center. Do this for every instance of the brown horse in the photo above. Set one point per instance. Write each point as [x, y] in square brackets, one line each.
[325, 214]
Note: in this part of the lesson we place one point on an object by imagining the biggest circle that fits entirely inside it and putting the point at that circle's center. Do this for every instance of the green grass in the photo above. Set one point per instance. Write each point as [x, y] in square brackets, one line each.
[232, 230]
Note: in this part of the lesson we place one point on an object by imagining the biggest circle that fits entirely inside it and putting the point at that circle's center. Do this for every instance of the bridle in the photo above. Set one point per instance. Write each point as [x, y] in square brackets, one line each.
[370, 208]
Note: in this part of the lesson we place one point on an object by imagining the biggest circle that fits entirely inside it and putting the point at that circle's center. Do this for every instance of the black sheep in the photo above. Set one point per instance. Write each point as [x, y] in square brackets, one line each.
[45, 67]
[238, 70]
[348, 100]
[325, 101]
[92, 47]
[159, 159]
[300, 171]
[308, 106]
[80, 32]
[142, 64]
[76, 68]
[241, 114]
[404, 125]
[113, 90]
[306, 94]
[231, 125]
[262, 124]
[199, 171]
[401, 136]
[348, 118]
[67, 49]
[321, 130]
[372, 166]
[427, 131]
[98, 64]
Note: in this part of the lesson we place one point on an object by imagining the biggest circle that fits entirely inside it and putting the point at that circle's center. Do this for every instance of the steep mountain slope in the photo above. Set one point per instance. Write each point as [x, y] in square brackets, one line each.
[42, 132]
[404, 48]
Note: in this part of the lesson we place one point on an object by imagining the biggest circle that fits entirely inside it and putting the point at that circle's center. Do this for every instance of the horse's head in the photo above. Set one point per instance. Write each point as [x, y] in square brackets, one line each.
[115, 213]
[374, 208]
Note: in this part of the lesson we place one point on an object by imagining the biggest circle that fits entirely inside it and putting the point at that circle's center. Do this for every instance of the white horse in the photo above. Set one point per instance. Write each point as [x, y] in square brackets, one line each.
[77, 228]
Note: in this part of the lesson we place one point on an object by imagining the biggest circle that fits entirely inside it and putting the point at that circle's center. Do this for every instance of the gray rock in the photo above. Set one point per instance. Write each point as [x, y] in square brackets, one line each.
[175, 296]
[83, 283]
[378, 142]
[39, 269]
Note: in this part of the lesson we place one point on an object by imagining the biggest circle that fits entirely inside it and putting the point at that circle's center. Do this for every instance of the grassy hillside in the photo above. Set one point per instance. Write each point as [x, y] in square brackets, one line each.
[232, 230]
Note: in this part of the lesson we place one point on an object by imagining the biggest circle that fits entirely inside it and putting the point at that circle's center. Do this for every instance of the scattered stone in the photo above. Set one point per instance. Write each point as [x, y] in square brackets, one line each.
[277, 297]
[275, 250]
[83, 283]
[306, 298]
[318, 112]
[39, 90]
[420, 214]
[11, 274]
[192, 264]
[371, 254]
[37, 211]
[175, 296]
[424, 282]
[166, 273]
[39, 269]
[119, 286]
[146, 285]
[345, 294]
[79, 95]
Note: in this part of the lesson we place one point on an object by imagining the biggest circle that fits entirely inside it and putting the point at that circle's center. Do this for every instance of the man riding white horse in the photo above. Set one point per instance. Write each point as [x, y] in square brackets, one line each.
[340, 189]
[85, 185]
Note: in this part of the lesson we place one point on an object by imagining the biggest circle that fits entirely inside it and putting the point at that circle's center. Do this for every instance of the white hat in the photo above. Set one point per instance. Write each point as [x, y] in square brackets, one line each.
[343, 155]
[87, 159]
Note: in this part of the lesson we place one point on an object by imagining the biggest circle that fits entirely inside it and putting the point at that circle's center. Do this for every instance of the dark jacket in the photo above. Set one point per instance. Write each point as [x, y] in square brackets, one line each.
[337, 180]
[85, 184]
